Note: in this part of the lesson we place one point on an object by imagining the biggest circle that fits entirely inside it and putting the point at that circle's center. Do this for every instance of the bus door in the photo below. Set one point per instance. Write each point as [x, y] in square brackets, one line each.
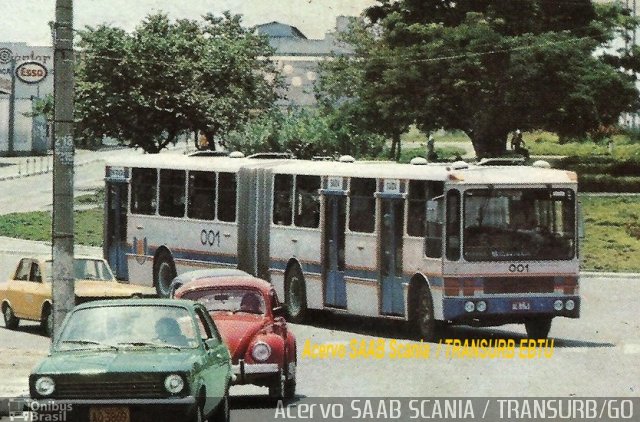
[335, 290]
[390, 247]
[115, 236]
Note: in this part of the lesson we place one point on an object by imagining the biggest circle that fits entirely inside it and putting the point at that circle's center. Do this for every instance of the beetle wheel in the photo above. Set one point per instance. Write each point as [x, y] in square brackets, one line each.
[277, 387]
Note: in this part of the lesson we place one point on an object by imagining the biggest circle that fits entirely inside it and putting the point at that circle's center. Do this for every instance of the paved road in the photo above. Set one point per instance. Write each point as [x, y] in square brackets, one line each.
[595, 355]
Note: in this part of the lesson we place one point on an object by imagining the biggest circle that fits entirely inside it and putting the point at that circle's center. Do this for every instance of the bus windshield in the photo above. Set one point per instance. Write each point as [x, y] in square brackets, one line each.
[522, 224]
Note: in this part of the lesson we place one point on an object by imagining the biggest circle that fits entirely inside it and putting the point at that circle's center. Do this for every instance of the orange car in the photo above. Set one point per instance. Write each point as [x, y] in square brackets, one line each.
[27, 295]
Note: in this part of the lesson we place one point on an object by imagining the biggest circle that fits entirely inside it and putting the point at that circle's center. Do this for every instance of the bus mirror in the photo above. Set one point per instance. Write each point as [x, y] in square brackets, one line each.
[434, 211]
[580, 222]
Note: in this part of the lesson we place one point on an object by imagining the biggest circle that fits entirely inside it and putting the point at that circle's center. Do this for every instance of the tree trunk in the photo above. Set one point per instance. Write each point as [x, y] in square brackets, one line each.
[489, 142]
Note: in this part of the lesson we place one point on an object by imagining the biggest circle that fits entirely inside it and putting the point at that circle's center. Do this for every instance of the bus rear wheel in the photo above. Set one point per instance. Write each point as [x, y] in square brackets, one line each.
[295, 294]
[423, 321]
[538, 328]
[164, 271]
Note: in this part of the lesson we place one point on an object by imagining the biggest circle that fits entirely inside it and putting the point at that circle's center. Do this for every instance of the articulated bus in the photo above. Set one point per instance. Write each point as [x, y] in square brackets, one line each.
[426, 243]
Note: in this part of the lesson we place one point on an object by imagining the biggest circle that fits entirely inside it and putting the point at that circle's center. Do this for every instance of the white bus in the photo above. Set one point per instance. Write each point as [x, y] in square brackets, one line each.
[462, 244]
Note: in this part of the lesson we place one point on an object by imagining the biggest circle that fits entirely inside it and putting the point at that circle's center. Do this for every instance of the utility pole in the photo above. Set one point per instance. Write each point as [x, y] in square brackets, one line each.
[12, 110]
[63, 157]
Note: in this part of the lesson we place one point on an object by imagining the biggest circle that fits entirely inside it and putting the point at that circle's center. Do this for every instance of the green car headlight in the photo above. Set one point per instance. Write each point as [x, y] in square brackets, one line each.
[173, 383]
[45, 386]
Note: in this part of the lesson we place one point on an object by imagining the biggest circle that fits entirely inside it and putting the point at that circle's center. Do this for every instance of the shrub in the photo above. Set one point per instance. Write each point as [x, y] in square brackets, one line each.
[608, 183]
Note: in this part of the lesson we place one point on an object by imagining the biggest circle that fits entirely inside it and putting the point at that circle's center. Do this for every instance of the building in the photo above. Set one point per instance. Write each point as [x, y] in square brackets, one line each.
[298, 58]
[31, 68]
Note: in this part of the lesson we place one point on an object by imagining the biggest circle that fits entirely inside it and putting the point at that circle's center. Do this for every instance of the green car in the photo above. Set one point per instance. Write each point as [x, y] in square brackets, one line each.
[135, 359]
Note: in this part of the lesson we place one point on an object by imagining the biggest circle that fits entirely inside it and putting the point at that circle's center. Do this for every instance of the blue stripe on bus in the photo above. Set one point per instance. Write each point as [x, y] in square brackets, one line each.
[453, 308]
[317, 269]
[193, 255]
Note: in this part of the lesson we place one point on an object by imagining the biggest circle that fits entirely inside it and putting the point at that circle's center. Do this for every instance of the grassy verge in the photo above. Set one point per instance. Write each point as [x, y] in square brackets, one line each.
[612, 227]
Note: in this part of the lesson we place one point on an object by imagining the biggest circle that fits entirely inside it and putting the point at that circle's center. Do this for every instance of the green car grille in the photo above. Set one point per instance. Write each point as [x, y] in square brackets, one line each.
[129, 386]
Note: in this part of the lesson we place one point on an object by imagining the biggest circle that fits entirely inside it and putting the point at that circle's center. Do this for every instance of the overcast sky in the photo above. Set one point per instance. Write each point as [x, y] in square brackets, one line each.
[26, 20]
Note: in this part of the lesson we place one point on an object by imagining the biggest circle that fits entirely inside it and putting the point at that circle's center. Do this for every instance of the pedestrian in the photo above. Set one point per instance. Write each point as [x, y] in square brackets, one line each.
[432, 156]
[517, 144]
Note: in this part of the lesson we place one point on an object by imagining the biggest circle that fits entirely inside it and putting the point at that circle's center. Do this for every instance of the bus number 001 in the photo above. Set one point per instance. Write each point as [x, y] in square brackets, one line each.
[519, 268]
[210, 237]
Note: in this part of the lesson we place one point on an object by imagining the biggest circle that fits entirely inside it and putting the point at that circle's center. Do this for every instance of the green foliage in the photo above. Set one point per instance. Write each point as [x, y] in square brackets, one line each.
[37, 226]
[485, 68]
[305, 133]
[148, 87]
[612, 242]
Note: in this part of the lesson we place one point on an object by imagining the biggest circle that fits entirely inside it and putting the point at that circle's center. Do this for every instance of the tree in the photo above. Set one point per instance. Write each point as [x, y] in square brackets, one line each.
[305, 133]
[168, 78]
[490, 67]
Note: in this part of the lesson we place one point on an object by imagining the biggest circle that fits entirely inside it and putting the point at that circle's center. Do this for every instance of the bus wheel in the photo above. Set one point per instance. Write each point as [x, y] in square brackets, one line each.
[295, 294]
[423, 320]
[538, 328]
[164, 271]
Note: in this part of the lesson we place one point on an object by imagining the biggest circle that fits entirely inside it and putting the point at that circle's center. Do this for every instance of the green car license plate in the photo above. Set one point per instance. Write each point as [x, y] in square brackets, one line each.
[109, 414]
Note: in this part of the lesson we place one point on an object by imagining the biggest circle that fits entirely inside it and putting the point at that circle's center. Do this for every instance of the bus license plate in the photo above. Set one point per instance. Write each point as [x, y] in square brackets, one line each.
[521, 305]
[109, 414]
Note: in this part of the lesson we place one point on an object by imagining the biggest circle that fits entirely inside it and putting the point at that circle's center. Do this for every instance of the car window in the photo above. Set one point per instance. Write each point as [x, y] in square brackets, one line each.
[85, 269]
[203, 325]
[128, 326]
[34, 273]
[22, 273]
[233, 300]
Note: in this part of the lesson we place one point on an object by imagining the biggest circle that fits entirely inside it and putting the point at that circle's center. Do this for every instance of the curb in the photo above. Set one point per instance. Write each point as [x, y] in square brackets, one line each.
[594, 274]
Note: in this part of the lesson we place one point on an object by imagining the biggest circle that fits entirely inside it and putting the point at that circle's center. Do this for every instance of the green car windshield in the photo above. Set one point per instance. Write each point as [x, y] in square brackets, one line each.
[128, 326]
[86, 269]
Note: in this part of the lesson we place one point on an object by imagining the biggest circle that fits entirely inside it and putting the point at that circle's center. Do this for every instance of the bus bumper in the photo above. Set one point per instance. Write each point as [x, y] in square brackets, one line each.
[505, 310]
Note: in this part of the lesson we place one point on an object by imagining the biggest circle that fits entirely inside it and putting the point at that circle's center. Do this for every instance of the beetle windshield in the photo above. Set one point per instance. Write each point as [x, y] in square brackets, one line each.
[233, 300]
[86, 269]
[123, 326]
[523, 224]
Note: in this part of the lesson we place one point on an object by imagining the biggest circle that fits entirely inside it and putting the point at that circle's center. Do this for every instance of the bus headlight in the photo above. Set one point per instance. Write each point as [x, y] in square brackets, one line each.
[569, 305]
[558, 305]
[261, 351]
[45, 386]
[481, 306]
[174, 383]
[469, 306]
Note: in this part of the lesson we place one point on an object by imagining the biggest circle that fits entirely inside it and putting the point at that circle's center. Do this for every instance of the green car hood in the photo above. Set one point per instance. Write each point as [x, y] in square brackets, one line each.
[124, 360]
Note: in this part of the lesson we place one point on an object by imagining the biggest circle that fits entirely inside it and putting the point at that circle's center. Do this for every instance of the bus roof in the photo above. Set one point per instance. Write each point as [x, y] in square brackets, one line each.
[373, 169]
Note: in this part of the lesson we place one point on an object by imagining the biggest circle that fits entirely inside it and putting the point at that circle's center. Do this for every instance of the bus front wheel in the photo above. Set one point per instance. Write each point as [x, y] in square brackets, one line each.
[295, 294]
[538, 328]
[423, 321]
[164, 271]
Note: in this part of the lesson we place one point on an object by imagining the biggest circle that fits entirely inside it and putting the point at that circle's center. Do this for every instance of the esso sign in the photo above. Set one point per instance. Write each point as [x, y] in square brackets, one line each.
[31, 72]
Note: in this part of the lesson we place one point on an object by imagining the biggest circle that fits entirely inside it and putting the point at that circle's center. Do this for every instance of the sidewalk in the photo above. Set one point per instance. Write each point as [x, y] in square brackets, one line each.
[16, 167]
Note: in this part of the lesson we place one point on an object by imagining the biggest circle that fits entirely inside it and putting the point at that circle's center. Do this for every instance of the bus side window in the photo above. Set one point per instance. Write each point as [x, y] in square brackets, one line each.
[282, 187]
[143, 191]
[172, 193]
[417, 208]
[307, 210]
[453, 225]
[227, 197]
[362, 206]
[202, 195]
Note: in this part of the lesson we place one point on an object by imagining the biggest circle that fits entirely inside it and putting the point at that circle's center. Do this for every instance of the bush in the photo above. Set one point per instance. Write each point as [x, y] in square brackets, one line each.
[608, 183]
